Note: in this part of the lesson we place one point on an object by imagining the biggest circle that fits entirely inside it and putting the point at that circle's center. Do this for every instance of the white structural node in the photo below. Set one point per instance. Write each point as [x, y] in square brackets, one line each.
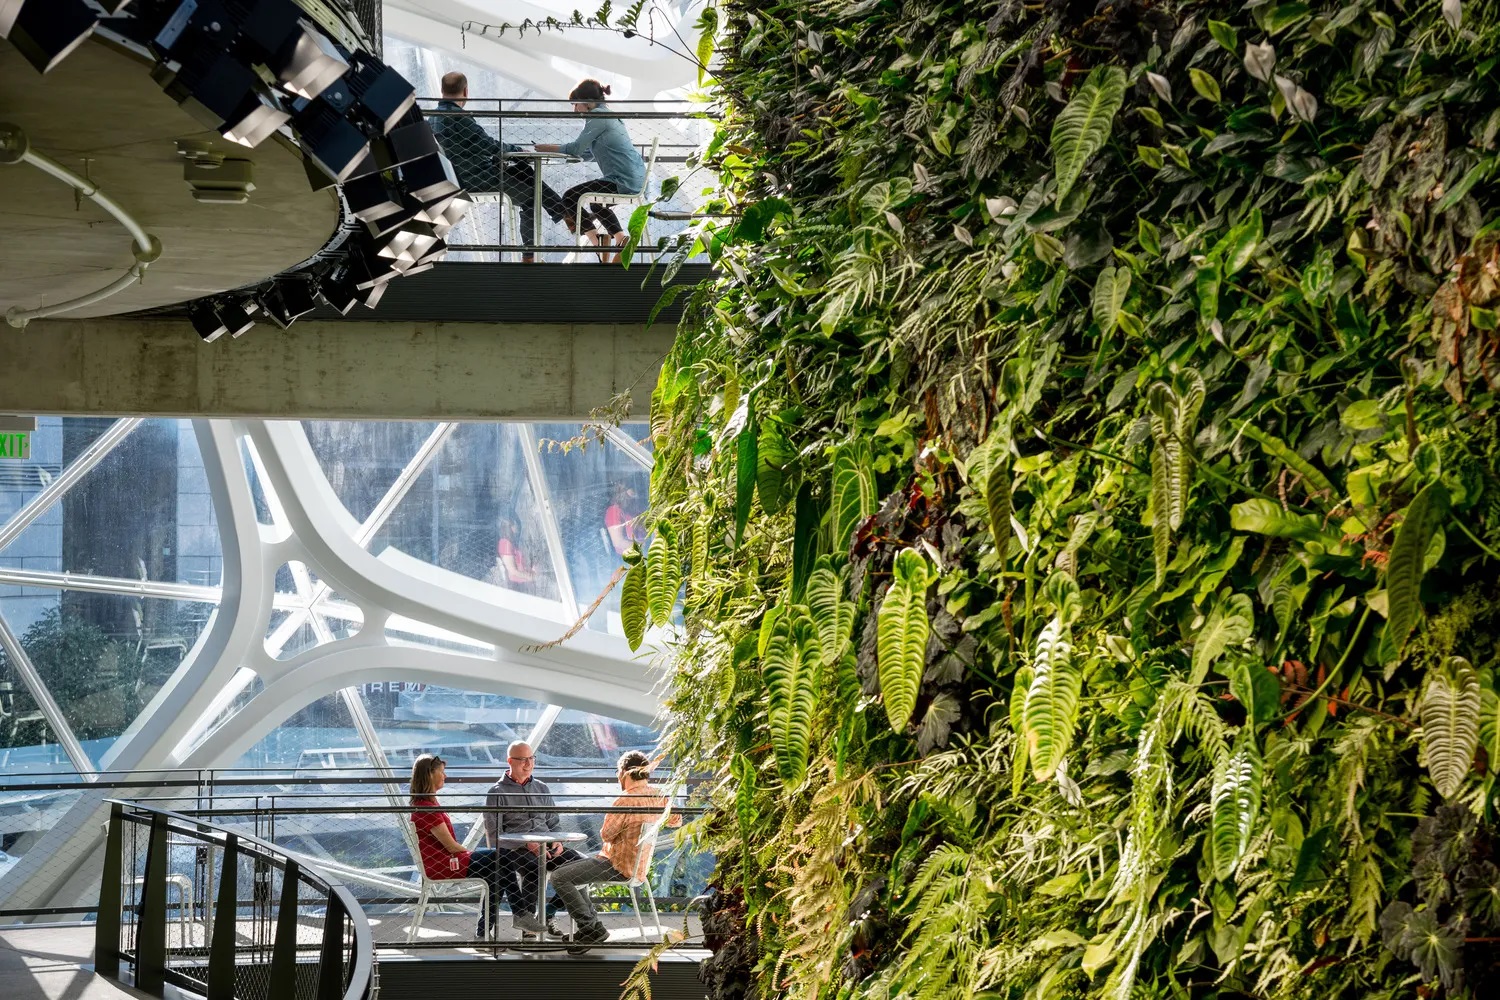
[458, 632]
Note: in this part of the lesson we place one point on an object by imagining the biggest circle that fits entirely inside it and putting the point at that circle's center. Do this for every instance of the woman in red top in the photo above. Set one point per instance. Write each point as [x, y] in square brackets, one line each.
[443, 857]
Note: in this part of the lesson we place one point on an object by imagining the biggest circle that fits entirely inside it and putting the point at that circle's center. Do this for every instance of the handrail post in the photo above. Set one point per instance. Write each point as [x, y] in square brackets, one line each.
[151, 923]
[283, 978]
[226, 925]
[331, 966]
[107, 918]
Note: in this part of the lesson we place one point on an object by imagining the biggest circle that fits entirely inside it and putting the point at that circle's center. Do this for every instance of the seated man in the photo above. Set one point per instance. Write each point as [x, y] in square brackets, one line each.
[623, 858]
[518, 864]
[476, 159]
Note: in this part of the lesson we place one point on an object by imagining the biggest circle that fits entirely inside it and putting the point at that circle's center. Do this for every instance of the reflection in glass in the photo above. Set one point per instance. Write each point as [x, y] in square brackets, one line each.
[103, 657]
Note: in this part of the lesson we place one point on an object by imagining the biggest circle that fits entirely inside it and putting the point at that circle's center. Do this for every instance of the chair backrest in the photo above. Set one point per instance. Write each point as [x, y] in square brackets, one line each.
[646, 845]
[650, 165]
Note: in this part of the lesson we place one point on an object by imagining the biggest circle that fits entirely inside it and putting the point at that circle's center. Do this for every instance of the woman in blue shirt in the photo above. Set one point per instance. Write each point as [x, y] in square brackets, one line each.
[605, 141]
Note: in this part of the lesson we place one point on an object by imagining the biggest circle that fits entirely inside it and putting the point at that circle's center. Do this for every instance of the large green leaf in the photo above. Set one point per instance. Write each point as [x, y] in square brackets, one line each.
[746, 459]
[663, 574]
[1231, 623]
[853, 491]
[1161, 513]
[1110, 289]
[1450, 723]
[807, 519]
[1051, 711]
[773, 457]
[1277, 449]
[1235, 800]
[833, 616]
[790, 663]
[634, 609]
[901, 637]
[1083, 126]
[1403, 570]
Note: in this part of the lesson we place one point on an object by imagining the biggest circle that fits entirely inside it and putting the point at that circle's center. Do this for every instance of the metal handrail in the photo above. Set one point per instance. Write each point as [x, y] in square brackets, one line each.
[149, 956]
[212, 782]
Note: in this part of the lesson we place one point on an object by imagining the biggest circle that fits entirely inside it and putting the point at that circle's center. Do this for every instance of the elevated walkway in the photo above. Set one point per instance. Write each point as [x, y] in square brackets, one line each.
[539, 342]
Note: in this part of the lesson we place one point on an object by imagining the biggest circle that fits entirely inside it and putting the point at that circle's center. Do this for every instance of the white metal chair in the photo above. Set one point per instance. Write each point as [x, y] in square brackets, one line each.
[642, 879]
[617, 198]
[507, 209]
[436, 890]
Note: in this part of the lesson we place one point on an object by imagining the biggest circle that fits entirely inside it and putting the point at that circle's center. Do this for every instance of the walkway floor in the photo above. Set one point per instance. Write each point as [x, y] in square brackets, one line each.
[45, 963]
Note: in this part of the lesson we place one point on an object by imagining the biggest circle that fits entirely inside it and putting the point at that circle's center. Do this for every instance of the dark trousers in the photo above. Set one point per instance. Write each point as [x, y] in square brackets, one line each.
[519, 876]
[601, 215]
[485, 863]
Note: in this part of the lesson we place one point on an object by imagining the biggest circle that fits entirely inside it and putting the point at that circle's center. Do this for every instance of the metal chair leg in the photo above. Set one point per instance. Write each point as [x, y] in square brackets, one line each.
[636, 905]
[416, 917]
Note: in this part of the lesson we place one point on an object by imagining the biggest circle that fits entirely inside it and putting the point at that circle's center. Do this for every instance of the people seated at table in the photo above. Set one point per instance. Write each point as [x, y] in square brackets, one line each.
[478, 161]
[622, 518]
[512, 565]
[605, 141]
[443, 857]
[623, 858]
[517, 790]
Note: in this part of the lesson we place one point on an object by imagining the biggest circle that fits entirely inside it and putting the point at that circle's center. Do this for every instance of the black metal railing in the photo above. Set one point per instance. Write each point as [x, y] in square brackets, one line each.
[249, 921]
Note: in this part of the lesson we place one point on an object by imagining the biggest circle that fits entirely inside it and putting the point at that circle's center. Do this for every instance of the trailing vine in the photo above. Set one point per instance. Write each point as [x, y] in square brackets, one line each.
[1083, 477]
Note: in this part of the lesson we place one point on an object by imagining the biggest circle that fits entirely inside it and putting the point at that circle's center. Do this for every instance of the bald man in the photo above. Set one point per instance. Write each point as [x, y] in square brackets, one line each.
[476, 158]
[517, 789]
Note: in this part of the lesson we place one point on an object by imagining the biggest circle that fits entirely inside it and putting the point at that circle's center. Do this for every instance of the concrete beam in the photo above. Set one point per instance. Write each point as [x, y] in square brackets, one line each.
[339, 370]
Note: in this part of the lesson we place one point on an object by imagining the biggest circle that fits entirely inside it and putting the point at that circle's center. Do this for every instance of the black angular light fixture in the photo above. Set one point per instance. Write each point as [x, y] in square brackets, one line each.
[247, 68]
[285, 300]
[45, 32]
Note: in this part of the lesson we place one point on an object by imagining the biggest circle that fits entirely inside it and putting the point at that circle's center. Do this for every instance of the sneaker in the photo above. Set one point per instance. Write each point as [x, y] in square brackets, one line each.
[595, 933]
[527, 922]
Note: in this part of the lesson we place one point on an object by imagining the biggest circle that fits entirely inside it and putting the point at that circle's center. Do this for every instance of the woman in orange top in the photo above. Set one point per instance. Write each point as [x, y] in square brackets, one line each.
[622, 859]
[443, 857]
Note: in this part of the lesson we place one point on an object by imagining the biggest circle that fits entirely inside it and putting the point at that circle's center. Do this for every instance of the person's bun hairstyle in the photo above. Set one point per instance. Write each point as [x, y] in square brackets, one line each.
[589, 90]
[634, 764]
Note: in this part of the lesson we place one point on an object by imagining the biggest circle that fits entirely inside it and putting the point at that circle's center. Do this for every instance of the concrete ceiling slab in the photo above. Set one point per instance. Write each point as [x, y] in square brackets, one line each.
[99, 113]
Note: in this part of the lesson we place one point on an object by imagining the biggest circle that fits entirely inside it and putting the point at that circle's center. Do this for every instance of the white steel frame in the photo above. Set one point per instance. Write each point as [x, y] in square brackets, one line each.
[189, 723]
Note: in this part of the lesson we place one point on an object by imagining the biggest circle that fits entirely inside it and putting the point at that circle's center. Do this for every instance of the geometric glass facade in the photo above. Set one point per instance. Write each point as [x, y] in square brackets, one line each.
[113, 567]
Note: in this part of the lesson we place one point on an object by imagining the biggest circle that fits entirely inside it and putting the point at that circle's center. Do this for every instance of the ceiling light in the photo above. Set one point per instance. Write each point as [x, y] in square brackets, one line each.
[212, 318]
[304, 61]
[381, 94]
[430, 177]
[338, 291]
[224, 94]
[286, 300]
[370, 197]
[332, 144]
[46, 31]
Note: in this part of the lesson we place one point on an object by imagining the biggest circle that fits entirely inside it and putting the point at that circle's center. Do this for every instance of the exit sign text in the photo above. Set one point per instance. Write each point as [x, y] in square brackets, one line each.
[15, 445]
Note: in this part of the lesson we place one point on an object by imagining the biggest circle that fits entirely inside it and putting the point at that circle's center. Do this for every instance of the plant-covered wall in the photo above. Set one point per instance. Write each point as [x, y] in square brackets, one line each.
[1083, 475]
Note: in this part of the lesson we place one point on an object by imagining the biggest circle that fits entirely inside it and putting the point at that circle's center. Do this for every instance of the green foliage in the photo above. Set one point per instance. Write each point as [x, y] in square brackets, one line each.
[1138, 363]
[902, 637]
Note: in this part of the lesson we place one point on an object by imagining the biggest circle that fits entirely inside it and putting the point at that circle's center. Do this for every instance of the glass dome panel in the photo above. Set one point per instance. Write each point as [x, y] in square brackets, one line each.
[104, 656]
[363, 458]
[143, 513]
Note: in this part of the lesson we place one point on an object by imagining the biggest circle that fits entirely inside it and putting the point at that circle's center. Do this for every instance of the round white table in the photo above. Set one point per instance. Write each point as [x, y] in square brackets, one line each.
[537, 158]
[541, 840]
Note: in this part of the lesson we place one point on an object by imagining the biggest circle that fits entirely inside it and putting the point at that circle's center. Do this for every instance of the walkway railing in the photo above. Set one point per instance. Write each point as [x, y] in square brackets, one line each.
[272, 926]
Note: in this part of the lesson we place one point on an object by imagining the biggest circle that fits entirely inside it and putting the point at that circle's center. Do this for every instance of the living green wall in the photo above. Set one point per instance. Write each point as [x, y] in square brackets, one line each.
[1083, 478]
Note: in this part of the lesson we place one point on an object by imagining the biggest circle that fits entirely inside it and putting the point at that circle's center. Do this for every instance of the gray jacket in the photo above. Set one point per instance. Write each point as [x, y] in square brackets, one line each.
[509, 792]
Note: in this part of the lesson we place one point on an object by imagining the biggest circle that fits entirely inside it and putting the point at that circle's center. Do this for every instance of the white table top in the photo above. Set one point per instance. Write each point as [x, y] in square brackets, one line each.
[551, 837]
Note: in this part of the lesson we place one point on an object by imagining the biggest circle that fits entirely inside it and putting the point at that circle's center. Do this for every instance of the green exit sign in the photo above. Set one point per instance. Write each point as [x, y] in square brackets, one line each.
[15, 445]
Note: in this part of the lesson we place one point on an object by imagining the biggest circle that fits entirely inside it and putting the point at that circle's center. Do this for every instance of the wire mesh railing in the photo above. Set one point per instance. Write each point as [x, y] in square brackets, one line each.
[509, 886]
[224, 914]
[559, 185]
